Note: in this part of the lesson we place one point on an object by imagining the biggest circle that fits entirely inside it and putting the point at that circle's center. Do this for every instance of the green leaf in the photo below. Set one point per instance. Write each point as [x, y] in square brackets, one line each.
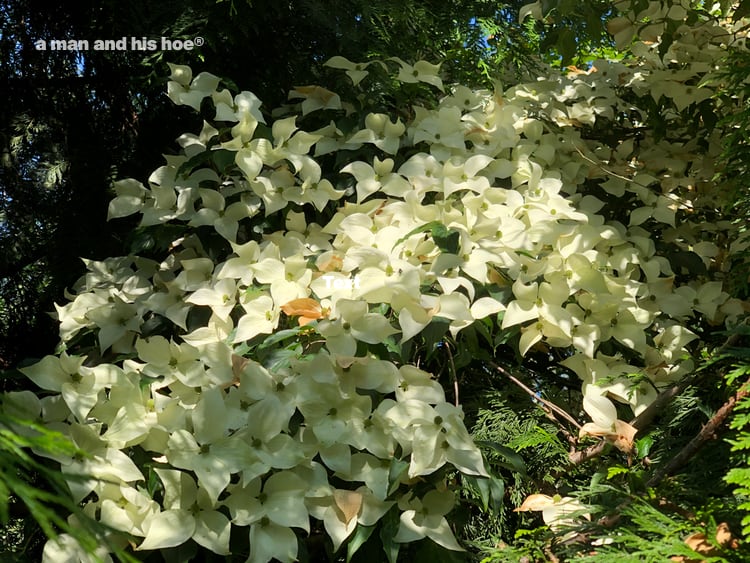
[194, 162]
[643, 446]
[566, 45]
[507, 335]
[223, 160]
[514, 461]
[491, 491]
[220, 160]
[616, 470]
[483, 327]
[154, 237]
[433, 334]
[154, 483]
[482, 486]
[281, 359]
[390, 523]
[497, 493]
[361, 535]
[397, 469]
[421, 229]
[279, 336]
[141, 242]
[446, 239]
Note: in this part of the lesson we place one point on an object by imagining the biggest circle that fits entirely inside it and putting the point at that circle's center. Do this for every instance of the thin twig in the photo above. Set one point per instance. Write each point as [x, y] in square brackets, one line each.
[599, 165]
[453, 371]
[578, 457]
[548, 404]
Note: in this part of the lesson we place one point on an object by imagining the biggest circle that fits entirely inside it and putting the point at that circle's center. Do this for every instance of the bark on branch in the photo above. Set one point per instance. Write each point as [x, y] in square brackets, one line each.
[549, 408]
[643, 420]
[708, 432]
[640, 422]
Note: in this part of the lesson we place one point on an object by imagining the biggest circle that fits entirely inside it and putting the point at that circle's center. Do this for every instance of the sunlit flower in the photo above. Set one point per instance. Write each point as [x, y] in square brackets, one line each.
[421, 71]
[381, 132]
[425, 518]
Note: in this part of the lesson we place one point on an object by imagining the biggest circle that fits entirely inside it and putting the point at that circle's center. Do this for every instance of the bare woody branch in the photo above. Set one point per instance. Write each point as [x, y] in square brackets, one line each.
[550, 405]
[708, 432]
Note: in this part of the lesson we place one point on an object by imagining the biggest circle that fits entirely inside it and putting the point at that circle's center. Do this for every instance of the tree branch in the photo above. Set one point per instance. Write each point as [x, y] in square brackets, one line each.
[643, 420]
[708, 432]
[640, 422]
[550, 405]
[453, 373]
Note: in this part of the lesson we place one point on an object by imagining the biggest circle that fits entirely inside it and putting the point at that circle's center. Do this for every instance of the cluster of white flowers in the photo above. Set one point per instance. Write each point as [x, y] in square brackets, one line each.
[500, 189]
[228, 421]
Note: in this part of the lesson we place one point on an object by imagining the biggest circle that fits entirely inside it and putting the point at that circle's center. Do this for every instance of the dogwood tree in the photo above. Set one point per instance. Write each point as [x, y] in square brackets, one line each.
[250, 381]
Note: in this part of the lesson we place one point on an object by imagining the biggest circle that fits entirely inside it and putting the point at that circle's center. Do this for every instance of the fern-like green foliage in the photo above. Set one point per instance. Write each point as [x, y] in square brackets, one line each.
[523, 449]
[649, 535]
[739, 475]
[33, 492]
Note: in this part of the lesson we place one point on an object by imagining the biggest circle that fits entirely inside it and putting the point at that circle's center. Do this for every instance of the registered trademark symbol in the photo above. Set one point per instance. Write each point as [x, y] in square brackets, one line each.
[198, 41]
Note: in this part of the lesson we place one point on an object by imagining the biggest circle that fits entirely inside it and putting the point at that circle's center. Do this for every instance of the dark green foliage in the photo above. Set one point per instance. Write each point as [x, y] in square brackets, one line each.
[68, 125]
[739, 474]
[737, 157]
